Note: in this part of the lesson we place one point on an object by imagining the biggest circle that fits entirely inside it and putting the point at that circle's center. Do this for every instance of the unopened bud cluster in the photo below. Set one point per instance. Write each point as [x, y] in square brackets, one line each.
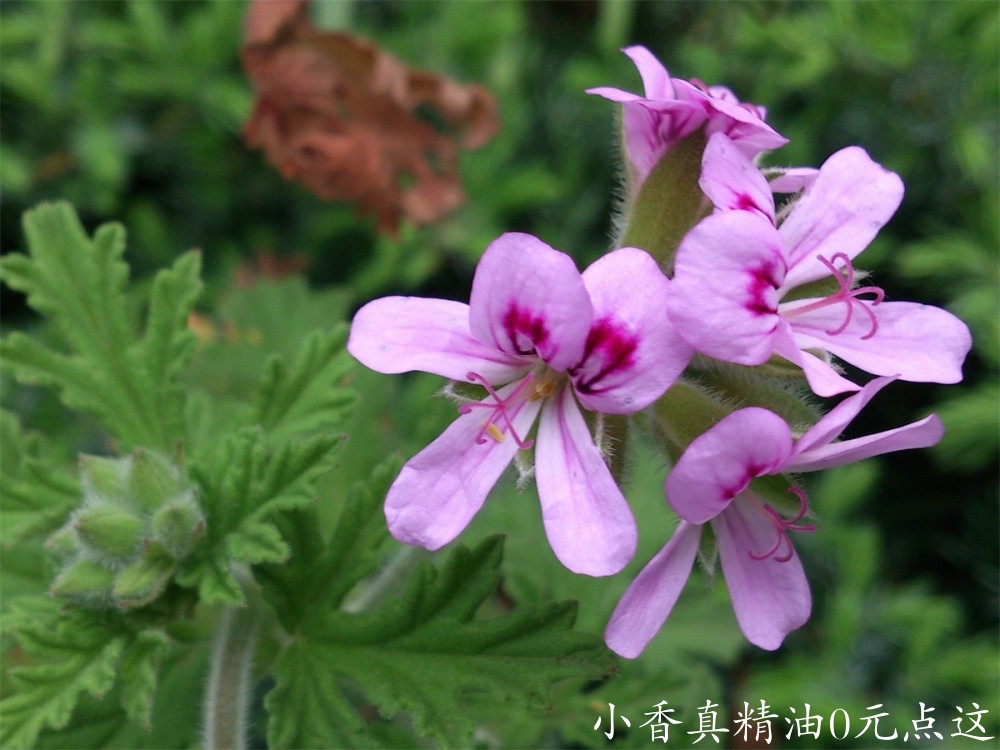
[139, 518]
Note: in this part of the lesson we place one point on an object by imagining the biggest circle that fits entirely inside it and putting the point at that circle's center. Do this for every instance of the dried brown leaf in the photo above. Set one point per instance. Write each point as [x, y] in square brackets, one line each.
[351, 122]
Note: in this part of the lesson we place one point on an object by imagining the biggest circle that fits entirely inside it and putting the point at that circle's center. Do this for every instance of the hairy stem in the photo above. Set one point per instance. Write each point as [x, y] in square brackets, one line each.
[227, 694]
[386, 580]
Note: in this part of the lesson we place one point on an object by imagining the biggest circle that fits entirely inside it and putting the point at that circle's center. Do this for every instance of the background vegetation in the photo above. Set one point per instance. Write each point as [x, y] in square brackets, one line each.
[133, 112]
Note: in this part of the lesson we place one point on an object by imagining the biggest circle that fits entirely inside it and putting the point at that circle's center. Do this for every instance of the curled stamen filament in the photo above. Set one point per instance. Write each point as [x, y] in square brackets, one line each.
[783, 526]
[498, 409]
[846, 295]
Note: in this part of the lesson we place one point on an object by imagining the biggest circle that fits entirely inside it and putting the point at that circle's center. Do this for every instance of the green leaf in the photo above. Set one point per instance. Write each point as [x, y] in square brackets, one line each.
[70, 653]
[242, 485]
[78, 656]
[321, 574]
[128, 383]
[36, 495]
[140, 665]
[427, 654]
[306, 396]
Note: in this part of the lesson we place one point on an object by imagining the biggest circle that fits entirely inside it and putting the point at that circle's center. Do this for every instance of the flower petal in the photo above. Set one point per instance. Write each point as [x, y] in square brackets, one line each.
[922, 434]
[587, 520]
[731, 181]
[655, 78]
[441, 488]
[770, 598]
[528, 299]
[790, 180]
[724, 293]
[823, 379]
[827, 429]
[719, 464]
[612, 94]
[649, 599]
[399, 334]
[633, 352]
[919, 343]
[841, 212]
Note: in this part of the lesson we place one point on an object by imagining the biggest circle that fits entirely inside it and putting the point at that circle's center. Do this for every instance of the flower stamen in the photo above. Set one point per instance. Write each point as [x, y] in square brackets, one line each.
[783, 526]
[846, 295]
[498, 409]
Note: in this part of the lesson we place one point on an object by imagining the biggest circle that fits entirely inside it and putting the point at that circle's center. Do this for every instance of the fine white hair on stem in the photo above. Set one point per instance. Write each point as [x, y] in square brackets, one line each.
[227, 692]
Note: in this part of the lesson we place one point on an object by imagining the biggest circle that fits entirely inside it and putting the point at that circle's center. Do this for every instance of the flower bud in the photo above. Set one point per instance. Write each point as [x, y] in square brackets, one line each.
[143, 580]
[109, 529]
[152, 481]
[104, 478]
[138, 519]
[177, 525]
[85, 580]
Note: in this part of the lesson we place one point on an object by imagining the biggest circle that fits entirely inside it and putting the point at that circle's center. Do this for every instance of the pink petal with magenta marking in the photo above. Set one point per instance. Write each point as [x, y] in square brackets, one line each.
[401, 334]
[724, 292]
[731, 181]
[719, 464]
[633, 352]
[529, 300]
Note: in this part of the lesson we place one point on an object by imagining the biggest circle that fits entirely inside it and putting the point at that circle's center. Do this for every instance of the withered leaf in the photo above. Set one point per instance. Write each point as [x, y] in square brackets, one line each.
[353, 123]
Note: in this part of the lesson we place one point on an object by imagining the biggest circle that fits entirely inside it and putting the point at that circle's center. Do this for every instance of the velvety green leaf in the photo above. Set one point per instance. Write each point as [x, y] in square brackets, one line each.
[320, 574]
[241, 486]
[36, 496]
[129, 384]
[426, 653]
[77, 656]
[306, 395]
[139, 668]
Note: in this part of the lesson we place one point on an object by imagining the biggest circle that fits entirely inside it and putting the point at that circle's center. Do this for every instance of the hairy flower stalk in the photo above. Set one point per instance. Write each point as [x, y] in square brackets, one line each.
[230, 681]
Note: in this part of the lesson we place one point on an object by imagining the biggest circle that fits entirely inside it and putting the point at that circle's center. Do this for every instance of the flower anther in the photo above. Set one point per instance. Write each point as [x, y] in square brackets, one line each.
[499, 409]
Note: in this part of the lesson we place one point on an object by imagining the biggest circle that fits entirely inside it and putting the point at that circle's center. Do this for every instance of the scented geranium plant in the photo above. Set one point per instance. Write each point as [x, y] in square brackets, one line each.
[236, 559]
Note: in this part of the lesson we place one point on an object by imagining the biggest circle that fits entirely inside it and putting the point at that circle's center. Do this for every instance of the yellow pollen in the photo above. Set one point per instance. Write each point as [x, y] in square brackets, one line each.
[494, 432]
[543, 389]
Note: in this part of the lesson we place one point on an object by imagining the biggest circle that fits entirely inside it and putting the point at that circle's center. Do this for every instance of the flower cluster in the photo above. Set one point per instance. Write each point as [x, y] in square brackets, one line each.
[765, 297]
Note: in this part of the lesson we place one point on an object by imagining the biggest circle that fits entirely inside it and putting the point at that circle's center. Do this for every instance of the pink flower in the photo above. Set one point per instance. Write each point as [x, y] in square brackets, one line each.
[672, 109]
[737, 271]
[555, 340]
[711, 483]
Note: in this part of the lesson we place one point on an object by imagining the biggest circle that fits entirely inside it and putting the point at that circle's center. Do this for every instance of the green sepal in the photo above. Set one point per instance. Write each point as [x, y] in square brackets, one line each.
[142, 581]
[684, 412]
[109, 529]
[85, 580]
[668, 203]
[779, 387]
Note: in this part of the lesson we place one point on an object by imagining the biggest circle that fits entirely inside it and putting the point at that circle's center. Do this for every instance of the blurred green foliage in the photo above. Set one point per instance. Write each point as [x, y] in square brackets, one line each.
[133, 110]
